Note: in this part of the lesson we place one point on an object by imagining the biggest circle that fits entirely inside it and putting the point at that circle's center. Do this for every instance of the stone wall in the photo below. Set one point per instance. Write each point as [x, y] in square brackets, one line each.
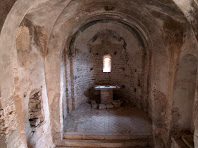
[184, 95]
[67, 27]
[8, 124]
[129, 63]
[35, 107]
[2, 128]
[151, 15]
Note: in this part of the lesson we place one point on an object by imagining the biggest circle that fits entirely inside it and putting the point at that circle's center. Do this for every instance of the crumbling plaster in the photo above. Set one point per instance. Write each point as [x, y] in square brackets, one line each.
[163, 70]
[190, 10]
[129, 58]
[57, 43]
[163, 53]
[9, 74]
[31, 77]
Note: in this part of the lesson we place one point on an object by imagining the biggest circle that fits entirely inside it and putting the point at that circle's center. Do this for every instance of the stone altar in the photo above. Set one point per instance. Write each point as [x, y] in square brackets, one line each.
[106, 92]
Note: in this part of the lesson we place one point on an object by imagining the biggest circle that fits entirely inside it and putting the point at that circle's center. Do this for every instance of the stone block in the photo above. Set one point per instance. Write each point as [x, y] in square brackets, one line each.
[116, 103]
[102, 106]
[35, 115]
[33, 129]
[95, 105]
[106, 96]
[93, 102]
[110, 106]
[34, 110]
[32, 100]
[35, 122]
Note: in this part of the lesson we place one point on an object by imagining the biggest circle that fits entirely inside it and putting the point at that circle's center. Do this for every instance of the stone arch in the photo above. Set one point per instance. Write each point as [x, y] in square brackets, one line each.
[129, 42]
[60, 41]
[8, 50]
[155, 76]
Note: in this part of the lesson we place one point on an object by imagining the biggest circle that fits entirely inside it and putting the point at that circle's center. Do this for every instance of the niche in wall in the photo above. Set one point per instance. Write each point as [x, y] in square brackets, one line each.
[35, 109]
[107, 53]
[184, 94]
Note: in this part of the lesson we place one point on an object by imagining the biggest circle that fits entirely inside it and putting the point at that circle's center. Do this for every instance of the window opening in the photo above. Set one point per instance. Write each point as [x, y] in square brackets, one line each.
[106, 63]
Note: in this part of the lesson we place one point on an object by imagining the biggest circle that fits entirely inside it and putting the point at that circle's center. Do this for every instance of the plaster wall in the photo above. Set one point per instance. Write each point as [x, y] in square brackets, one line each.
[184, 94]
[32, 77]
[10, 101]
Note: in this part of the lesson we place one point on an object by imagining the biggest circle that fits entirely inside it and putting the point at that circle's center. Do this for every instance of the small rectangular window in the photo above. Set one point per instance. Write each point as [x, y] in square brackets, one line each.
[107, 63]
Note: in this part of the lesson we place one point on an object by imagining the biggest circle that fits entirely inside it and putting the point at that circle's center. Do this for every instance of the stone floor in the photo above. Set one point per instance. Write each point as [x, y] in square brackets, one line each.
[125, 120]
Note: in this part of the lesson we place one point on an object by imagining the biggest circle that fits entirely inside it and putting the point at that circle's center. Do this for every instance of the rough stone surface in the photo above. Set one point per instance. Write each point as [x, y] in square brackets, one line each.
[102, 106]
[35, 108]
[109, 106]
[91, 46]
[94, 104]
[57, 46]
[116, 103]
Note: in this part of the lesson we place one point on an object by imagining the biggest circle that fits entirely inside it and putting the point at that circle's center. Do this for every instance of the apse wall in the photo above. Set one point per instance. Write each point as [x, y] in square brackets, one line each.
[129, 63]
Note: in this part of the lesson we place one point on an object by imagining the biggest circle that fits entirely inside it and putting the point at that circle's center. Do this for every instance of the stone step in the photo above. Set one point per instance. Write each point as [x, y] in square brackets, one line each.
[180, 144]
[88, 136]
[188, 140]
[109, 147]
[105, 143]
[182, 140]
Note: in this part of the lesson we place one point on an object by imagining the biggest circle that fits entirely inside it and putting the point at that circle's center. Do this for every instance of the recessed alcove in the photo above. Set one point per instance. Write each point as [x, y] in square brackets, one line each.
[184, 96]
[35, 109]
[184, 109]
[94, 46]
[106, 54]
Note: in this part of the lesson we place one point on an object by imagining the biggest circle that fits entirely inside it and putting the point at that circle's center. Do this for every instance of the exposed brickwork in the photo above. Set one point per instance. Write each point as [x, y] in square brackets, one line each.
[35, 109]
[8, 121]
[86, 68]
[2, 122]
[160, 22]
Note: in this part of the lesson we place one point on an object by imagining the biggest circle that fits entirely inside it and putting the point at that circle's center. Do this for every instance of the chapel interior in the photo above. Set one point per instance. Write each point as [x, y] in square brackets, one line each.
[98, 73]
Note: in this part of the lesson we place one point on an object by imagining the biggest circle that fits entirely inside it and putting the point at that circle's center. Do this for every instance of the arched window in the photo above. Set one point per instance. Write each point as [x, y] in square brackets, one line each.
[106, 63]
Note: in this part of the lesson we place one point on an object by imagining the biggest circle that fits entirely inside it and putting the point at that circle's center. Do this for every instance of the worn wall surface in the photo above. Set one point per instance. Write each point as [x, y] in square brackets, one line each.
[129, 62]
[37, 55]
[5, 5]
[32, 79]
[10, 101]
[63, 32]
[184, 94]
